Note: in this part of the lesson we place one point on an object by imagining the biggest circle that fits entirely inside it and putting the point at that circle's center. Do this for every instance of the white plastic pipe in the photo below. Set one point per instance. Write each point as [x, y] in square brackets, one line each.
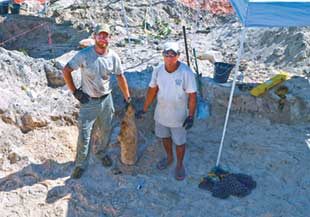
[243, 33]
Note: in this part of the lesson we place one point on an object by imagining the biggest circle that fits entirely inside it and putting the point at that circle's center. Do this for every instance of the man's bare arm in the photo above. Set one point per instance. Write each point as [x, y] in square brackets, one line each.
[150, 96]
[68, 78]
[192, 103]
[122, 83]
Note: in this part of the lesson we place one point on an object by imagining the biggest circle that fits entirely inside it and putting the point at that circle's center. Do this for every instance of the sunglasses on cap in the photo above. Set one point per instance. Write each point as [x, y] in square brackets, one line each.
[169, 54]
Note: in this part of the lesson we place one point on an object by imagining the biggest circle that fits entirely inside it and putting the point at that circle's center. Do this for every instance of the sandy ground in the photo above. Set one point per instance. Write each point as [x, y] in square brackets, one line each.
[275, 155]
[37, 183]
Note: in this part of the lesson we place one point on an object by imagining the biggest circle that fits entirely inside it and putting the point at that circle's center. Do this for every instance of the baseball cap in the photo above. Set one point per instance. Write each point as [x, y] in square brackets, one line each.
[102, 28]
[174, 46]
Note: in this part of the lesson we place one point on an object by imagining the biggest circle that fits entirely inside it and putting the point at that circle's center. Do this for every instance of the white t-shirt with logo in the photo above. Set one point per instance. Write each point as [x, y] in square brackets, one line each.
[172, 97]
[96, 70]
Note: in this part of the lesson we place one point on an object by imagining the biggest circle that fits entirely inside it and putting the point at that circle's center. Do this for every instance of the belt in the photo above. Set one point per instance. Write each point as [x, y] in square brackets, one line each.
[100, 97]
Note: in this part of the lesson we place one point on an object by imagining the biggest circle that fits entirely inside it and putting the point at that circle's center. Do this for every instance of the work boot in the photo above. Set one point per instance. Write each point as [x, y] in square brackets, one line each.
[77, 173]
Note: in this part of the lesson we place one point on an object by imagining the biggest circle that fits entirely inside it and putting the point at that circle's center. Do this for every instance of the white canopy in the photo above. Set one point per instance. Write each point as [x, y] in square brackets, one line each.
[265, 13]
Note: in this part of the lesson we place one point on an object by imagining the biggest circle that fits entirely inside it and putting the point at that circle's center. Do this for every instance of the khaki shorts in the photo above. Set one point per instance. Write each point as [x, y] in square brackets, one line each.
[178, 134]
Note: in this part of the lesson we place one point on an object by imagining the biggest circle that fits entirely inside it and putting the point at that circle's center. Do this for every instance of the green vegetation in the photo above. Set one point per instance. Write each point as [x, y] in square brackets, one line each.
[160, 30]
[23, 50]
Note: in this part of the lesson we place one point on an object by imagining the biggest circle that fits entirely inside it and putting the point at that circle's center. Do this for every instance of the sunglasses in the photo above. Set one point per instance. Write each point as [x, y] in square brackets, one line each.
[102, 36]
[169, 54]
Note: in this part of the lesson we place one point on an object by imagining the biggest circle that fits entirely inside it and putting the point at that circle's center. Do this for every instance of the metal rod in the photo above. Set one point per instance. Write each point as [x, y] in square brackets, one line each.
[186, 49]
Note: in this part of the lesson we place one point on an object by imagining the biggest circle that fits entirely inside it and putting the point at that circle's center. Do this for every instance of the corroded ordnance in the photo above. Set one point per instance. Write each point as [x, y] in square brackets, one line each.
[128, 137]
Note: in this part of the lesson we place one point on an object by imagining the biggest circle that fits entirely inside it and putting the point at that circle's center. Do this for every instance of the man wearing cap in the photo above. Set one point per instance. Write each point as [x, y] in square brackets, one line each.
[97, 64]
[174, 84]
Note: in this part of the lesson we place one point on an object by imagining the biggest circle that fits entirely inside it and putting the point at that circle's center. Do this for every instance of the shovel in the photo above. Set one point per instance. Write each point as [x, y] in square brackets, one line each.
[202, 105]
[186, 49]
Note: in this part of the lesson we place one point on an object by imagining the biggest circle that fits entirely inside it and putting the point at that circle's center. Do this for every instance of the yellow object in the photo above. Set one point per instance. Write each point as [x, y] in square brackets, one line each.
[262, 88]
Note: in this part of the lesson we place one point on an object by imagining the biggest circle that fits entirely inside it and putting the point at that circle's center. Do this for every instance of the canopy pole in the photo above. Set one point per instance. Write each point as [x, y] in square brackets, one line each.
[125, 21]
[197, 15]
[242, 38]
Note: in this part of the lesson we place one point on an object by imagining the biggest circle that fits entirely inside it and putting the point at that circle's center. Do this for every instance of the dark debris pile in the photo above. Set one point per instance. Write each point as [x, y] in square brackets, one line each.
[222, 184]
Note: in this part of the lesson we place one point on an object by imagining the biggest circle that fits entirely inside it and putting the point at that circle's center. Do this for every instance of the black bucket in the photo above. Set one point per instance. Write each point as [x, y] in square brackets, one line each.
[15, 8]
[222, 71]
[4, 8]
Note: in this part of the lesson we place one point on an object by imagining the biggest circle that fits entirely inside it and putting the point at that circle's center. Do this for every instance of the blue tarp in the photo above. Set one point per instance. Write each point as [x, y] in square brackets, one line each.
[273, 13]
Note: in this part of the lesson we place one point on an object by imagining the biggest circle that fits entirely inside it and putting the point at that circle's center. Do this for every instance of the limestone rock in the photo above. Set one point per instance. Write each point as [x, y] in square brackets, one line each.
[54, 76]
[8, 117]
[30, 122]
[86, 43]
[212, 56]
[13, 157]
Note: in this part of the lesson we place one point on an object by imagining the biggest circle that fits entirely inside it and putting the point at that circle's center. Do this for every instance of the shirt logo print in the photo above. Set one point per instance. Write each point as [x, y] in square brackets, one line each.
[178, 82]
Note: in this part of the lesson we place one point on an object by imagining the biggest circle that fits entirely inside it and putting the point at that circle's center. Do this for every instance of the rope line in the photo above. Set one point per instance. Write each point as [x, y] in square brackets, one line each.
[22, 33]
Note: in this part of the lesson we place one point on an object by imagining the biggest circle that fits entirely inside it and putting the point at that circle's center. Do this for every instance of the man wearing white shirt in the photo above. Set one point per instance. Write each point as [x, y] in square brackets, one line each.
[174, 84]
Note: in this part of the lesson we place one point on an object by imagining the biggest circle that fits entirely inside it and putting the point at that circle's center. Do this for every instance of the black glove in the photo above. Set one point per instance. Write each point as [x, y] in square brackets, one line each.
[188, 123]
[81, 96]
[128, 102]
[140, 114]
